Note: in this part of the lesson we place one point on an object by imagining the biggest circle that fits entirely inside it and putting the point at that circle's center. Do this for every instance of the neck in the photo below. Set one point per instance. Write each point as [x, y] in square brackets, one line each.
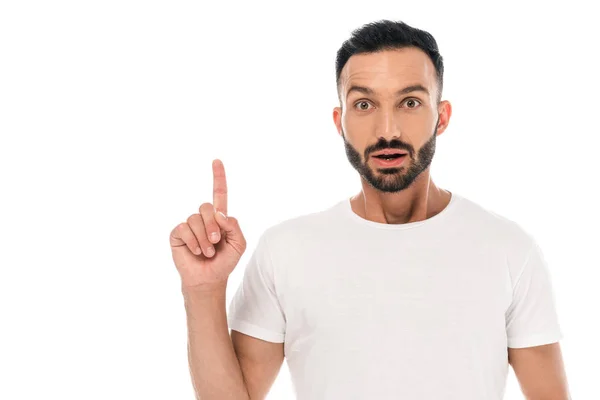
[420, 201]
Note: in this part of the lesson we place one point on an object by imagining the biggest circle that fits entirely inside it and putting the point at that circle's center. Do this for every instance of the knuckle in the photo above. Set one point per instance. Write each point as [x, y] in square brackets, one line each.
[178, 230]
[194, 218]
[205, 207]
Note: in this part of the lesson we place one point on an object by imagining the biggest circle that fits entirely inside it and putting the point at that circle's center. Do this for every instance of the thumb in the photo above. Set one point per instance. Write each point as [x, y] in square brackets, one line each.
[231, 227]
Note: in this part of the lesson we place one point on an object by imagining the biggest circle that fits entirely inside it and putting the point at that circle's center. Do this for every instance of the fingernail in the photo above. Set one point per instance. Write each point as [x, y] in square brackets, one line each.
[214, 237]
[222, 215]
[197, 251]
[210, 251]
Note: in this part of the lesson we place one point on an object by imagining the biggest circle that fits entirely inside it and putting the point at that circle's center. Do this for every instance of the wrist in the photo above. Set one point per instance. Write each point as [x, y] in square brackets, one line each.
[205, 288]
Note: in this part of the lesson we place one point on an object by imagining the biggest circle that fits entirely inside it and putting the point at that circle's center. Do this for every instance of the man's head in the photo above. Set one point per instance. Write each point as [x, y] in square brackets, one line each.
[389, 78]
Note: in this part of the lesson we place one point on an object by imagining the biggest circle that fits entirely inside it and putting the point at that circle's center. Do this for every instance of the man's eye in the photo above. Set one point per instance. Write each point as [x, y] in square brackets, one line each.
[362, 105]
[411, 102]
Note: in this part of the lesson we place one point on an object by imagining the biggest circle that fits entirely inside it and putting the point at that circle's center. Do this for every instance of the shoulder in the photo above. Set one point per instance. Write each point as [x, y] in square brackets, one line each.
[492, 225]
[499, 233]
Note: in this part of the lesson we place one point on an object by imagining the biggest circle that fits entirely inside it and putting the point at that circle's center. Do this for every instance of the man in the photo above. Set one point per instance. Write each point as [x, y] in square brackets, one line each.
[404, 291]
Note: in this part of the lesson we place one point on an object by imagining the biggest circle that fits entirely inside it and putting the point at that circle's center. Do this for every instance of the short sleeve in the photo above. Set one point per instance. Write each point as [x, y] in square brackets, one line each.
[531, 319]
[255, 309]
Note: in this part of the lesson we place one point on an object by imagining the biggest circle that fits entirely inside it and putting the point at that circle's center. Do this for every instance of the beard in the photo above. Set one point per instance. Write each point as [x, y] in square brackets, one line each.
[392, 180]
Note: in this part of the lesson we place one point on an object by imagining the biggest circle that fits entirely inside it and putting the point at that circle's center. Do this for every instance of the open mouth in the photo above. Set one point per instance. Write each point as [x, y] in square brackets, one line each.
[389, 156]
[395, 160]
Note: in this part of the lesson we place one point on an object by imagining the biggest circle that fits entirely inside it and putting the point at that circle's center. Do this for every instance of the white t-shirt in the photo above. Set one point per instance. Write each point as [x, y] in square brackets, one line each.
[421, 311]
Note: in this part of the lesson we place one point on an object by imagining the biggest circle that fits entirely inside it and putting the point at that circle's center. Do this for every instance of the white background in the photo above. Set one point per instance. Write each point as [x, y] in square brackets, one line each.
[111, 113]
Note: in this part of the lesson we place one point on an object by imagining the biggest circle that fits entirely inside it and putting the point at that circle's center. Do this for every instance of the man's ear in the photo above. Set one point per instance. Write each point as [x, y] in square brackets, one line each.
[337, 119]
[445, 111]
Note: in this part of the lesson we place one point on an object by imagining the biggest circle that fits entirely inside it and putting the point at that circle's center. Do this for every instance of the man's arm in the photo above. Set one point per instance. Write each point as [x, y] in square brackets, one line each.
[260, 362]
[540, 372]
[214, 367]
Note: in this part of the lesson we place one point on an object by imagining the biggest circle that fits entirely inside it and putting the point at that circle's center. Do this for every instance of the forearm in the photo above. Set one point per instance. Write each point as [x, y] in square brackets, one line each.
[214, 367]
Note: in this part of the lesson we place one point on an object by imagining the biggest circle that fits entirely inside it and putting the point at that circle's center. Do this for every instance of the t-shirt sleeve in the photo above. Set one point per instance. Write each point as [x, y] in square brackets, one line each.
[531, 319]
[255, 308]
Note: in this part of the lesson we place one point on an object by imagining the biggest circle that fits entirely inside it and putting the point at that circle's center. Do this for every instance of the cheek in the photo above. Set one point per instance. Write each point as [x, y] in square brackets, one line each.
[357, 125]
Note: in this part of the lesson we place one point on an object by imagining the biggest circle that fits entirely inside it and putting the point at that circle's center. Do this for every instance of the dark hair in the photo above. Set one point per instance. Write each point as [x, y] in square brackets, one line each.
[389, 35]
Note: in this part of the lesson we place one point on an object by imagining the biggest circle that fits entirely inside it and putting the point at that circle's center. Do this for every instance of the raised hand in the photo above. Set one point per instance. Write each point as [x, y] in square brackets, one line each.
[207, 247]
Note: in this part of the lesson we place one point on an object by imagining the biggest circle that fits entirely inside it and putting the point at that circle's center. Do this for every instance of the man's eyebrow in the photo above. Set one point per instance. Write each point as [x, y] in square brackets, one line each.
[408, 89]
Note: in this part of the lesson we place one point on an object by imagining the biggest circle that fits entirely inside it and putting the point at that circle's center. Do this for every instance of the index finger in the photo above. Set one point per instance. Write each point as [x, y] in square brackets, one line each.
[219, 186]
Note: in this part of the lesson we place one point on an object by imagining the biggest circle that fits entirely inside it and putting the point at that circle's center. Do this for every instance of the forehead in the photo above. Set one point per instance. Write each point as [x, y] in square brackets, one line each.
[389, 70]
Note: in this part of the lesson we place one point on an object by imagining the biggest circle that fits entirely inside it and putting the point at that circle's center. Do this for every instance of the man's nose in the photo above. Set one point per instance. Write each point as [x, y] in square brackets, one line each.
[387, 125]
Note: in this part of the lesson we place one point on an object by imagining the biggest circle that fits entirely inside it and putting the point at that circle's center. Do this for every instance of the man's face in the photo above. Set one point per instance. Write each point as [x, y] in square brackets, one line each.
[377, 117]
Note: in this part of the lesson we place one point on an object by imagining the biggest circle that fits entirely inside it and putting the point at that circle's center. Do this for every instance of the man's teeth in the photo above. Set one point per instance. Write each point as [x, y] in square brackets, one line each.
[389, 156]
